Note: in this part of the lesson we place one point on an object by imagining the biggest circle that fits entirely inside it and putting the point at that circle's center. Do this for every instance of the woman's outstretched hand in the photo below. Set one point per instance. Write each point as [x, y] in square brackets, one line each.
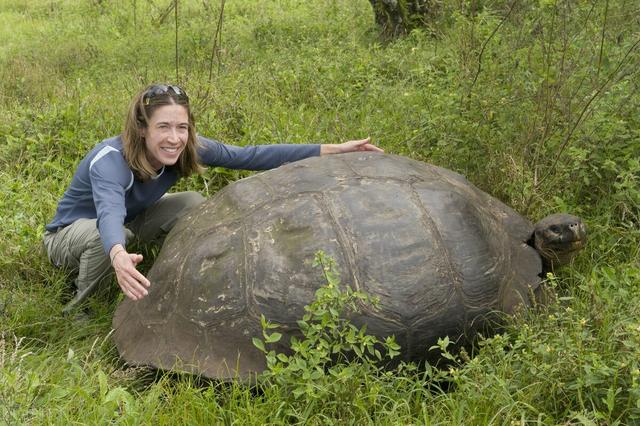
[132, 283]
[349, 146]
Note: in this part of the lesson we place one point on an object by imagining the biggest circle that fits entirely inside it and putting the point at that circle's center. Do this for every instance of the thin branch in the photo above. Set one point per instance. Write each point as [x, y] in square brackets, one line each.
[604, 27]
[176, 24]
[165, 13]
[486, 42]
[217, 41]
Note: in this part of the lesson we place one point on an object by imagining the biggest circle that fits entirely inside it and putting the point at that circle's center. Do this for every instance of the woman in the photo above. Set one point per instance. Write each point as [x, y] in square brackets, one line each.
[118, 190]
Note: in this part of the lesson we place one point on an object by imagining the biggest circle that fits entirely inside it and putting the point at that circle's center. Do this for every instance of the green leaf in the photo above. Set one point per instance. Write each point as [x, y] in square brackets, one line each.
[274, 337]
[258, 344]
[102, 383]
[118, 394]
[283, 358]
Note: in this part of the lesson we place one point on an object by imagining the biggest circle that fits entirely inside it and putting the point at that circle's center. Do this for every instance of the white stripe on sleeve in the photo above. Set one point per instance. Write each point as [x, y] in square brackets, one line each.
[104, 151]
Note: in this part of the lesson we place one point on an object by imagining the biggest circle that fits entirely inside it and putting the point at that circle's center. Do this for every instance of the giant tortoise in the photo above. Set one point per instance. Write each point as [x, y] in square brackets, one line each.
[437, 252]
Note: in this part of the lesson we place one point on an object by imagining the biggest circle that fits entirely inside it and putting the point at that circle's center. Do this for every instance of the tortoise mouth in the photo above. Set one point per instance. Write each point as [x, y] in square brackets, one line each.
[577, 245]
[565, 246]
[559, 253]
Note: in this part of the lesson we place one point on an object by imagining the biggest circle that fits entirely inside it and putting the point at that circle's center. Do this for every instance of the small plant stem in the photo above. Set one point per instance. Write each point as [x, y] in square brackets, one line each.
[217, 41]
[176, 26]
[604, 27]
[484, 46]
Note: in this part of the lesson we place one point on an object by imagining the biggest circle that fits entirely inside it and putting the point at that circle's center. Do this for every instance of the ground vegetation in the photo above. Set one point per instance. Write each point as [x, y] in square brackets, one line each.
[536, 102]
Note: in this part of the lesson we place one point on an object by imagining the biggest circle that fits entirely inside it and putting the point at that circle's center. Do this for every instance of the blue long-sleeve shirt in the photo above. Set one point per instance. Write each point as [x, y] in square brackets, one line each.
[104, 187]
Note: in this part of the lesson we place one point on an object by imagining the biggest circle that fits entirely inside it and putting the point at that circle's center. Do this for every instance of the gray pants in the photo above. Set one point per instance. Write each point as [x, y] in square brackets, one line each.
[78, 248]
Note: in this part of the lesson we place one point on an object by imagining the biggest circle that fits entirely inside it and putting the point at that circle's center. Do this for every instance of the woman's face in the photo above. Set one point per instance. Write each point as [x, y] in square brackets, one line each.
[166, 135]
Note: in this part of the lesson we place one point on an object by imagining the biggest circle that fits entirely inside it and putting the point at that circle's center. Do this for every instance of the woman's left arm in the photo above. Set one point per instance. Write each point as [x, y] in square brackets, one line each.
[264, 157]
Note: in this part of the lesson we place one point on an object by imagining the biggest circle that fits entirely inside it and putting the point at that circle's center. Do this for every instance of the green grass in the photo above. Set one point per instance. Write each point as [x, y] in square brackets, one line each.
[550, 122]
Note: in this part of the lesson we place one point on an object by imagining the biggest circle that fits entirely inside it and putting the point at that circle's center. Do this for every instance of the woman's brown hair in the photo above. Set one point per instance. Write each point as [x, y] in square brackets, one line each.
[142, 107]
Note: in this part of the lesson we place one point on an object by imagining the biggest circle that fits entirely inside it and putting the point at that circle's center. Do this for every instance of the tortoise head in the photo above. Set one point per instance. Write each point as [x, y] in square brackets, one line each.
[558, 238]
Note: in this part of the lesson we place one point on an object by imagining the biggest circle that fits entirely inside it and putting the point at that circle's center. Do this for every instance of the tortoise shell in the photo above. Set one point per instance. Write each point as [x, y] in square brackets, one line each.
[437, 252]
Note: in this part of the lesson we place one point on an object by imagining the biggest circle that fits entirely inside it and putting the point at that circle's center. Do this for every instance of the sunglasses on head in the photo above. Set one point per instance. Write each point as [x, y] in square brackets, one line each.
[163, 89]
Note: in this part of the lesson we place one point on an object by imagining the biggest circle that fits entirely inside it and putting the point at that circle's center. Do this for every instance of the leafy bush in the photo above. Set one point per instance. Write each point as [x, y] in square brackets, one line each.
[333, 358]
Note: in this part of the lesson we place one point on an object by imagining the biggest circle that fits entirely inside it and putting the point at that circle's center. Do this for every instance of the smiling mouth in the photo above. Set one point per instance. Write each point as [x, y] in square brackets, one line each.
[170, 150]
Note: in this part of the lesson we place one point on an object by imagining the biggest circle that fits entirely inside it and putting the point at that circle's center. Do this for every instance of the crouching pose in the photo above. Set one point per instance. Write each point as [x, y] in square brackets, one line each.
[119, 191]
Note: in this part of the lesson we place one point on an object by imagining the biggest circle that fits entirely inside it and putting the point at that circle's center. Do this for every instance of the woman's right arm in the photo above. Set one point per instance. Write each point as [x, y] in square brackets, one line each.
[110, 178]
[132, 283]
